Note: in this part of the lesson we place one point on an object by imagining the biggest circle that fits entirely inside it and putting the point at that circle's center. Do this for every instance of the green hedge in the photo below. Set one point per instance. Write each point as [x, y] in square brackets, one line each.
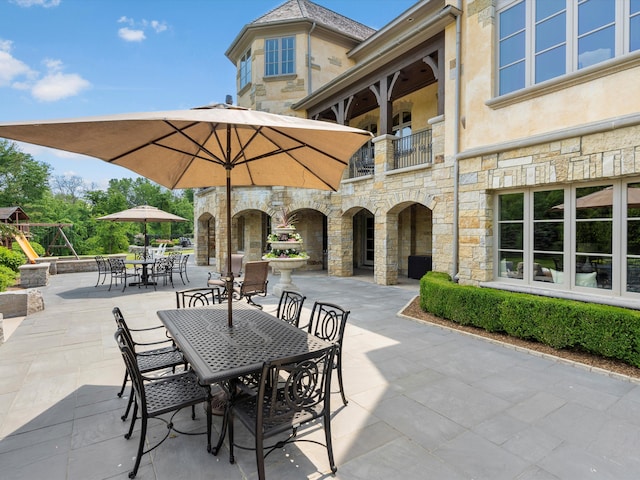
[603, 330]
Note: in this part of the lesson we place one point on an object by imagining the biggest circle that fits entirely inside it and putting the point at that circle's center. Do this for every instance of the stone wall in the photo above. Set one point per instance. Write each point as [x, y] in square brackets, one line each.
[20, 303]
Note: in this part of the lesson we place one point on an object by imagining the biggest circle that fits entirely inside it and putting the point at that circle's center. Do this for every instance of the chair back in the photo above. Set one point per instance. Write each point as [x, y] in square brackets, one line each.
[197, 297]
[293, 391]
[290, 307]
[121, 324]
[117, 265]
[254, 281]
[236, 265]
[103, 265]
[128, 355]
[328, 321]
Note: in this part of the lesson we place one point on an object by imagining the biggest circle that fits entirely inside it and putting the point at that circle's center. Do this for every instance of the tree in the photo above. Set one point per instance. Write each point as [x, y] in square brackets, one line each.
[71, 187]
[23, 180]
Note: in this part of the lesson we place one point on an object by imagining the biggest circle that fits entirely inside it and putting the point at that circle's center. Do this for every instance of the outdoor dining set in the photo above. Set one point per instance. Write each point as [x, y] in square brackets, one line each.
[143, 270]
[270, 373]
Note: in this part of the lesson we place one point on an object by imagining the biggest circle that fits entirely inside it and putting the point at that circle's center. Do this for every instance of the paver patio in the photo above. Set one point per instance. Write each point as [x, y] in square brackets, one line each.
[424, 401]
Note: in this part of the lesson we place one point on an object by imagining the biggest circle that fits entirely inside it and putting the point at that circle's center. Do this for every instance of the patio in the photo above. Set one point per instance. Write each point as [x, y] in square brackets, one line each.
[424, 401]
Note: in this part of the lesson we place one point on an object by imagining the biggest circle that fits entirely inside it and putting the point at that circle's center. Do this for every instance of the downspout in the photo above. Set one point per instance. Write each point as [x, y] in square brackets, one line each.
[309, 85]
[456, 149]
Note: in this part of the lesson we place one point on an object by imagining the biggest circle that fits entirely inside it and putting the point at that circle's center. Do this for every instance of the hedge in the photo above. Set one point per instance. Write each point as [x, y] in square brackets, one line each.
[611, 332]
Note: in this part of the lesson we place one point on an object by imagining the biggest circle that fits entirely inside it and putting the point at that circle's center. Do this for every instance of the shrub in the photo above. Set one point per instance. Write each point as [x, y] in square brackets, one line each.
[11, 259]
[7, 277]
[603, 330]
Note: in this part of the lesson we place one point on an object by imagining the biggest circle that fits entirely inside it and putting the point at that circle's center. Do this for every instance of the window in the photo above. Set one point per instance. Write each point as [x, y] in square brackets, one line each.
[279, 56]
[543, 39]
[571, 238]
[245, 69]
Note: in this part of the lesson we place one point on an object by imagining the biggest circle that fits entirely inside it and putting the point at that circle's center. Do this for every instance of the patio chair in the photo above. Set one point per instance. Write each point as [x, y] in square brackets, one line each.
[290, 307]
[118, 271]
[157, 396]
[198, 297]
[292, 392]
[155, 356]
[253, 282]
[216, 279]
[163, 269]
[328, 321]
[103, 269]
[180, 266]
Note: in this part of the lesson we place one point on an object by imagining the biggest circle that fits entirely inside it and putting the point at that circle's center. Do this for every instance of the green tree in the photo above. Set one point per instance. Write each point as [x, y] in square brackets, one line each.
[23, 180]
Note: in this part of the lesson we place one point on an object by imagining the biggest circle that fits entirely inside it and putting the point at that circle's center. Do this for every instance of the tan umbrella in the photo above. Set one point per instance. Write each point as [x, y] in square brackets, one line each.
[145, 214]
[205, 147]
[604, 198]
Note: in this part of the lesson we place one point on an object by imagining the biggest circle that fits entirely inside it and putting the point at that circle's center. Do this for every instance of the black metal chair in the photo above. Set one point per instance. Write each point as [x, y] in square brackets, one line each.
[253, 283]
[290, 307]
[328, 322]
[157, 396]
[119, 272]
[150, 360]
[163, 269]
[180, 267]
[103, 269]
[292, 392]
[198, 297]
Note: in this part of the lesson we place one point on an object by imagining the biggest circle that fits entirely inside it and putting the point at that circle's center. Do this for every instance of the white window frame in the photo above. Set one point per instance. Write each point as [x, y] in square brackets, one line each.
[622, 38]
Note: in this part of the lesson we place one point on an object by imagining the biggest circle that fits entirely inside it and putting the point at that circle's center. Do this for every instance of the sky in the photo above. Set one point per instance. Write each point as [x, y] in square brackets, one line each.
[75, 58]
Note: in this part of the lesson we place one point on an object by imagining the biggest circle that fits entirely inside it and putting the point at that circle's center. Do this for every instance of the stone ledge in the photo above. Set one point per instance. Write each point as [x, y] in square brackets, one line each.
[20, 303]
[34, 275]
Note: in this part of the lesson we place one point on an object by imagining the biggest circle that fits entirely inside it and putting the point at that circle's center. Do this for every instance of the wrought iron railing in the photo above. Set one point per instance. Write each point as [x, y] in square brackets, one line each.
[412, 150]
[361, 163]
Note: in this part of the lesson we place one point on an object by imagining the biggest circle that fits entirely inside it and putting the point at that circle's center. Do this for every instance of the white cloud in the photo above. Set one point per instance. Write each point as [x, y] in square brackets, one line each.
[135, 31]
[159, 27]
[10, 67]
[38, 3]
[130, 35]
[57, 85]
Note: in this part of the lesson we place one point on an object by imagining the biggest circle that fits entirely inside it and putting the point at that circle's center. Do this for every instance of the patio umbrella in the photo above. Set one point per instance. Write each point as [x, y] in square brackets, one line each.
[144, 214]
[217, 145]
[604, 198]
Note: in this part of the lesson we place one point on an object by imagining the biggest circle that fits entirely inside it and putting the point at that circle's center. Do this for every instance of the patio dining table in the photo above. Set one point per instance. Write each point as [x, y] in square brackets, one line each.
[144, 279]
[221, 354]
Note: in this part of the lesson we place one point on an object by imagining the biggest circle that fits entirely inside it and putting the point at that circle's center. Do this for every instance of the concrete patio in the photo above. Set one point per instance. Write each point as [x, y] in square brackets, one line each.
[424, 402]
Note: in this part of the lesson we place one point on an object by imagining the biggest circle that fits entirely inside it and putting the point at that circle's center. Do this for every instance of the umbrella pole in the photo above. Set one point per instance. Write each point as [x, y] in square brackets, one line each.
[228, 167]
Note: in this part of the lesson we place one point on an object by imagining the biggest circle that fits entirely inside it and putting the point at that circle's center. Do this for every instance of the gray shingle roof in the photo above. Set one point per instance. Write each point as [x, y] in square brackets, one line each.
[304, 9]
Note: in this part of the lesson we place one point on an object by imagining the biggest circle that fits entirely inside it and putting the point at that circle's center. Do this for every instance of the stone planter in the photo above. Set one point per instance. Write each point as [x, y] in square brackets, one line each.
[288, 245]
[285, 266]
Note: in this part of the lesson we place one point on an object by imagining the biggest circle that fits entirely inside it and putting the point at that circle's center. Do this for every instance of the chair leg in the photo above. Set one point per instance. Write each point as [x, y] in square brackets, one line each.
[260, 455]
[124, 383]
[133, 421]
[327, 436]
[230, 427]
[126, 412]
[143, 435]
[344, 398]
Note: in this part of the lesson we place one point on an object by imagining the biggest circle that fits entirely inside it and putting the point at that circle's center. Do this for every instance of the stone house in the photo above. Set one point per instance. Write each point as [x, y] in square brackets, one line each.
[506, 149]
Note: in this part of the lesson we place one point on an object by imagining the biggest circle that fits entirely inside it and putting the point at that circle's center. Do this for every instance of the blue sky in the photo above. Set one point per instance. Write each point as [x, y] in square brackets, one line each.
[75, 58]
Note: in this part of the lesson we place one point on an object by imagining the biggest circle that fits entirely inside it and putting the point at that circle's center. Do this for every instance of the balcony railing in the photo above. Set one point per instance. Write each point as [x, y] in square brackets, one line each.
[412, 150]
[361, 163]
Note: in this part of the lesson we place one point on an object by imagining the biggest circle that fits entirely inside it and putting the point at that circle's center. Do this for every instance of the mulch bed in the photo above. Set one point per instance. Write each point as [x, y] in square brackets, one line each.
[413, 310]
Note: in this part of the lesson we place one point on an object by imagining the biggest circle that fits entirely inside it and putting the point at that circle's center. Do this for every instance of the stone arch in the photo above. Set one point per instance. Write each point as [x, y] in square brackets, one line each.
[205, 238]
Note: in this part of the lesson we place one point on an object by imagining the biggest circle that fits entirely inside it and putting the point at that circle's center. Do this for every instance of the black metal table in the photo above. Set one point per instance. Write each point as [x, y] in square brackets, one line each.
[144, 280]
[218, 353]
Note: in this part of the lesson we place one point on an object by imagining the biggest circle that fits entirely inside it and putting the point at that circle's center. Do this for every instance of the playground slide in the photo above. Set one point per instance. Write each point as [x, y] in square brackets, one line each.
[26, 247]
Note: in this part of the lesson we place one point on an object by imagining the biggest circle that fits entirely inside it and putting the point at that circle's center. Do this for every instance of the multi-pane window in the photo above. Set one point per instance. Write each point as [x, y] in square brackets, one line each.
[245, 69]
[576, 237]
[543, 39]
[279, 56]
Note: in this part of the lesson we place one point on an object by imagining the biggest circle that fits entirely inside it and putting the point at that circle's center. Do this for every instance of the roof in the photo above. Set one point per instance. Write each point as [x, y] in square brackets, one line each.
[12, 213]
[306, 10]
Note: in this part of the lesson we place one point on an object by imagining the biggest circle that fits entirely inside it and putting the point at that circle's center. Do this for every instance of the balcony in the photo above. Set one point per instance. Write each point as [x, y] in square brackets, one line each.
[412, 150]
[361, 164]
